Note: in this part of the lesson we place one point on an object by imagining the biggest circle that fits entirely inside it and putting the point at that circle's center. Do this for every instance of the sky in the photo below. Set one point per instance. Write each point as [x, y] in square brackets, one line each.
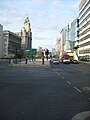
[47, 18]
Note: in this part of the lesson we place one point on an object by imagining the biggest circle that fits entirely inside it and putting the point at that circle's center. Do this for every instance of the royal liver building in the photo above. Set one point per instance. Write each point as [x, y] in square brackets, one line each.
[26, 35]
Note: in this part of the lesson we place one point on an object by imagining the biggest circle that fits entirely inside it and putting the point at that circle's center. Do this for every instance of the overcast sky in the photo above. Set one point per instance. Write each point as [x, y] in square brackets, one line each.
[47, 18]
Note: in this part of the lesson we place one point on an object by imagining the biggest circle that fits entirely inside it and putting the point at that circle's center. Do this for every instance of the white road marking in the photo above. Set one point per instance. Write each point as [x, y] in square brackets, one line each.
[84, 73]
[62, 77]
[31, 70]
[77, 89]
[81, 116]
[58, 73]
[68, 82]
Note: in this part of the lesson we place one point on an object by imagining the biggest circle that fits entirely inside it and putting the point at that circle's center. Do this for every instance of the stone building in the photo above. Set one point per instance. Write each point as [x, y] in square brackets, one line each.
[11, 44]
[26, 35]
[1, 41]
[58, 46]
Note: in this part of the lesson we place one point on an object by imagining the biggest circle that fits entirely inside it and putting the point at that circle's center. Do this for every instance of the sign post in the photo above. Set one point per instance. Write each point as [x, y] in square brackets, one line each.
[30, 53]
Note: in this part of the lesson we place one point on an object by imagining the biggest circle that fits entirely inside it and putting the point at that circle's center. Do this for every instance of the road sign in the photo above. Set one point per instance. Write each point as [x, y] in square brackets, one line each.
[30, 52]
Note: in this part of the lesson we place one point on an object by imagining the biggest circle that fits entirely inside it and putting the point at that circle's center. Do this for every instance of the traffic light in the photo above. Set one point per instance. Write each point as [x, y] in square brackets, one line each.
[47, 53]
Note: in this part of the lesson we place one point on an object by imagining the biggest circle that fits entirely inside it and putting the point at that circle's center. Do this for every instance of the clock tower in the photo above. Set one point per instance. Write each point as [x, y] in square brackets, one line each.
[26, 34]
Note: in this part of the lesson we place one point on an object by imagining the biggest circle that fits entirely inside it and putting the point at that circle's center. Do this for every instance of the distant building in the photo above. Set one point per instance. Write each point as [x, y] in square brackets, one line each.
[26, 35]
[1, 41]
[63, 41]
[58, 46]
[69, 36]
[72, 36]
[11, 44]
[72, 40]
[84, 30]
[53, 52]
[75, 34]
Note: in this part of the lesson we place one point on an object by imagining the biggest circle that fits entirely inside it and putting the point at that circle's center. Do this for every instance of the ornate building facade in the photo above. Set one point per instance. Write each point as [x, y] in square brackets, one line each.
[26, 35]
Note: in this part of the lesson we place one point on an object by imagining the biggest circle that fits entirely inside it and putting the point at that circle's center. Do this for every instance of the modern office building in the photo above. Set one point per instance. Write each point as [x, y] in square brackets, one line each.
[1, 41]
[70, 38]
[11, 44]
[84, 30]
[63, 41]
[75, 34]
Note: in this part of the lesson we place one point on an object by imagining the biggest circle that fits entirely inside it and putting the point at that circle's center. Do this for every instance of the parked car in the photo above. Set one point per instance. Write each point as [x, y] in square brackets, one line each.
[66, 60]
[74, 62]
[55, 60]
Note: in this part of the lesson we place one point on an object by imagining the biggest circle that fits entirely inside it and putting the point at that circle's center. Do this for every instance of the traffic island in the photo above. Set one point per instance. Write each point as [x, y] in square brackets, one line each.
[31, 64]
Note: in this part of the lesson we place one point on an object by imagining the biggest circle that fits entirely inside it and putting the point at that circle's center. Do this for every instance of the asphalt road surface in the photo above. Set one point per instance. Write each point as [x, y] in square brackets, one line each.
[61, 92]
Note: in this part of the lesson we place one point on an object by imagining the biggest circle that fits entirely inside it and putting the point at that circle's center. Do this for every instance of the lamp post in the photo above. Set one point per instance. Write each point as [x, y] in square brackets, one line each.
[16, 55]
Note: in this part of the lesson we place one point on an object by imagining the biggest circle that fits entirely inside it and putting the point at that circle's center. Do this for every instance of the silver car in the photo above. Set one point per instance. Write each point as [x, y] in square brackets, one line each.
[55, 61]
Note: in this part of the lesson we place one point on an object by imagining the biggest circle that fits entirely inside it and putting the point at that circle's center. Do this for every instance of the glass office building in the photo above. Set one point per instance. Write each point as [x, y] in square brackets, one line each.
[72, 36]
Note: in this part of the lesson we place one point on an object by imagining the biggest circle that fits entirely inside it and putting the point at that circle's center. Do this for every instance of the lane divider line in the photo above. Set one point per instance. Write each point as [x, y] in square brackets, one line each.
[68, 82]
[77, 89]
[57, 73]
[62, 77]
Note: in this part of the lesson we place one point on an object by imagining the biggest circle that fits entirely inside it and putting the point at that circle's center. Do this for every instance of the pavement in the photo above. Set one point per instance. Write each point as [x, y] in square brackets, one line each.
[84, 62]
[30, 63]
[36, 63]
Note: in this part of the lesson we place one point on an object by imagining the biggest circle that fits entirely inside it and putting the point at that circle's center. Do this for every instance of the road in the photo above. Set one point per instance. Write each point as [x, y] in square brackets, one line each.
[33, 93]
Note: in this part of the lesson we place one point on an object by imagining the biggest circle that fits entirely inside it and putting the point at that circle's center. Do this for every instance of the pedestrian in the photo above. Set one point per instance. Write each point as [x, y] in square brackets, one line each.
[32, 57]
[43, 60]
[26, 61]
